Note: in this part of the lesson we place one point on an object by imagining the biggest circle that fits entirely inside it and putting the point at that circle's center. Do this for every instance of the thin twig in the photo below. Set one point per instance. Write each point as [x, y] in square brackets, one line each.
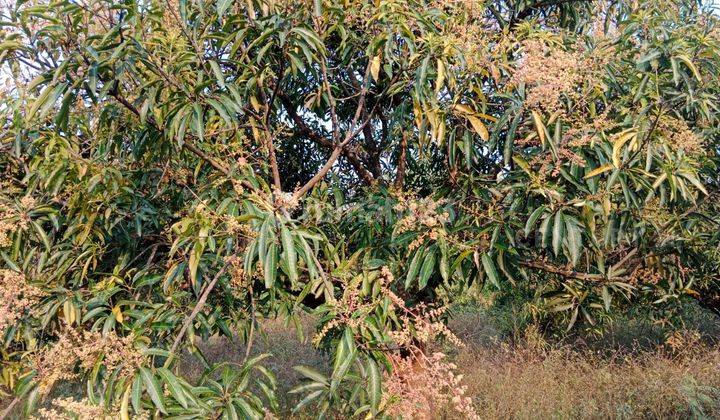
[251, 334]
[6, 412]
[196, 310]
[400, 177]
[353, 130]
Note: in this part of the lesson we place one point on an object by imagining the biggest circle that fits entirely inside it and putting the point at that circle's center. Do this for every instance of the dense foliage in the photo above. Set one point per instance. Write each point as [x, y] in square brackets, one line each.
[176, 170]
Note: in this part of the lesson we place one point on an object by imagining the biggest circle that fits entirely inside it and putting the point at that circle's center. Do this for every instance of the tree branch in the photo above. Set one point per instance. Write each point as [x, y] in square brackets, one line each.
[304, 129]
[321, 173]
[186, 145]
[196, 310]
[6, 412]
[402, 161]
[269, 138]
[353, 130]
[189, 146]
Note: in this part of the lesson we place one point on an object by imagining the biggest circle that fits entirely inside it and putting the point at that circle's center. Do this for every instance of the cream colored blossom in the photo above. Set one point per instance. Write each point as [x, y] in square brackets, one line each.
[71, 409]
[421, 386]
[679, 136]
[553, 73]
[86, 348]
[17, 297]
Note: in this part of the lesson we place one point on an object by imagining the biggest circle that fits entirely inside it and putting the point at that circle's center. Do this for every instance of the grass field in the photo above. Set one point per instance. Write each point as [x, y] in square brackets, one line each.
[636, 370]
[633, 371]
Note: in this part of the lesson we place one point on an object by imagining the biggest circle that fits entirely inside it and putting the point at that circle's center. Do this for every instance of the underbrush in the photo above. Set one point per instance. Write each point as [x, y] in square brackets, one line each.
[523, 381]
[636, 370]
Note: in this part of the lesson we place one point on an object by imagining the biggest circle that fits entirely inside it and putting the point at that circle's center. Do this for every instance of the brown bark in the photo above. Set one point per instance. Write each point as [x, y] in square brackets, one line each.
[353, 130]
[196, 310]
[402, 162]
[321, 174]
[305, 130]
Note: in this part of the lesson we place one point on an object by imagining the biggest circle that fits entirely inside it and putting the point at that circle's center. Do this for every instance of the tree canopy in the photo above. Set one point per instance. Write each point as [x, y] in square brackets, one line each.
[173, 170]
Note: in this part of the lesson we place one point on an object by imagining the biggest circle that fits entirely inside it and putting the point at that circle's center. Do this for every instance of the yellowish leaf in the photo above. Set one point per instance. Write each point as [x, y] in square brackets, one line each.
[440, 136]
[685, 59]
[607, 205]
[418, 113]
[598, 171]
[486, 116]
[256, 133]
[255, 103]
[375, 68]
[522, 163]
[659, 180]
[125, 404]
[619, 143]
[479, 127]
[440, 76]
[69, 312]
[463, 109]
[539, 126]
[118, 314]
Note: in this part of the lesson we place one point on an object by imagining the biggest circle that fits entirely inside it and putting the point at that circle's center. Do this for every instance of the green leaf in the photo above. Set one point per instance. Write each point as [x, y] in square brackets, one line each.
[136, 394]
[46, 100]
[222, 6]
[199, 121]
[230, 412]
[263, 238]
[218, 73]
[313, 374]
[510, 139]
[220, 109]
[173, 386]
[574, 239]
[153, 388]
[344, 358]
[414, 267]
[693, 179]
[490, 270]
[444, 266]
[607, 298]
[427, 269]
[558, 232]
[374, 384]
[534, 216]
[308, 399]
[41, 233]
[290, 253]
[270, 266]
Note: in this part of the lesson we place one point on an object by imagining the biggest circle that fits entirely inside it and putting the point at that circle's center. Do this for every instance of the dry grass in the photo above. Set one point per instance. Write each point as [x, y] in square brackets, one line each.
[281, 342]
[522, 382]
[630, 373]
